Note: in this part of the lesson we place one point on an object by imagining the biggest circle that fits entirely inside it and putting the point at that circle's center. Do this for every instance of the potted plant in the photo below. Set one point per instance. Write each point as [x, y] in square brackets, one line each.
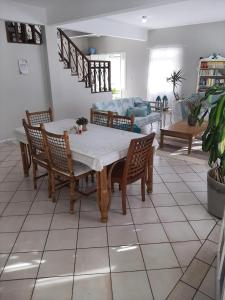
[176, 79]
[213, 141]
[194, 104]
[82, 122]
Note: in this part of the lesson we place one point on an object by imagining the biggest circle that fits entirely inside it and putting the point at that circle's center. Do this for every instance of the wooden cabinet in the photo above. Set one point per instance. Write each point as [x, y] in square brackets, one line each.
[211, 71]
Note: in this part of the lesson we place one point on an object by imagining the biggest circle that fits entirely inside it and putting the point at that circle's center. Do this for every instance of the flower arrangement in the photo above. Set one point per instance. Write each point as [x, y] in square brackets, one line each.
[82, 122]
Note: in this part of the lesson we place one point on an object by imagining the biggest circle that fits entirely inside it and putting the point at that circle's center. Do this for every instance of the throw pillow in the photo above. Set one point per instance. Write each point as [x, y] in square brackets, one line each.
[137, 111]
[145, 104]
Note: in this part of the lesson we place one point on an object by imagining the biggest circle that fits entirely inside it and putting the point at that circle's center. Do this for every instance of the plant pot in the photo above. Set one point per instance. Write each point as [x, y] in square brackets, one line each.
[192, 121]
[216, 196]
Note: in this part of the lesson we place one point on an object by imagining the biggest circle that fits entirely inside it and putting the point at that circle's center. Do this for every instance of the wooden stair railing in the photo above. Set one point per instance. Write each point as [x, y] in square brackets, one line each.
[96, 74]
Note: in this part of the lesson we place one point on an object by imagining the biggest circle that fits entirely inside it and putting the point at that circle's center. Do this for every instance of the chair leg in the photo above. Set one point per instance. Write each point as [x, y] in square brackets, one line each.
[143, 189]
[72, 196]
[34, 175]
[49, 185]
[124, 199]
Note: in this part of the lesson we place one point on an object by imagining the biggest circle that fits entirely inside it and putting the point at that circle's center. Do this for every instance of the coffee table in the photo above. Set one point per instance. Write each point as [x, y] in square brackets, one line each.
[183, 131]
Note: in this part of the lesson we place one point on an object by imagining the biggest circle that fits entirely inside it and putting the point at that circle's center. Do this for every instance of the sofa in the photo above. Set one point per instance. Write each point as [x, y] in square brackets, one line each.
[145, 112]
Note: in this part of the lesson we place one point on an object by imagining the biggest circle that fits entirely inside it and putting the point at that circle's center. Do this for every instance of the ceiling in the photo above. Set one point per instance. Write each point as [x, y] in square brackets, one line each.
[175, 14]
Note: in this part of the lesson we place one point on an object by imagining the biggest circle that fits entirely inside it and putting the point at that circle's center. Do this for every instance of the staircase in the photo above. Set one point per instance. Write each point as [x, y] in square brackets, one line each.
[96, 74]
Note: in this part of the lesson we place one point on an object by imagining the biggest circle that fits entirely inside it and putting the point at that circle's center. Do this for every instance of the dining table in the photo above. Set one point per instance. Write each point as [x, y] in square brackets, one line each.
[98, 147]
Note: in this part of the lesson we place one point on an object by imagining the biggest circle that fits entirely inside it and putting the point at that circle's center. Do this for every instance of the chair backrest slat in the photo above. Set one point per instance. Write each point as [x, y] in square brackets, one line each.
[122, 122]
[34, 138]
[137, 157]
[100, 118]
[39, 117]
[58, 152]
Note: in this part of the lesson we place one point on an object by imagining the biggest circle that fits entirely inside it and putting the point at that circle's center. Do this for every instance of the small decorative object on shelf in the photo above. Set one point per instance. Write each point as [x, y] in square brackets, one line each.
[82, 123]
[158, 102]
[165, 102]
[23, 33]
[211, 71]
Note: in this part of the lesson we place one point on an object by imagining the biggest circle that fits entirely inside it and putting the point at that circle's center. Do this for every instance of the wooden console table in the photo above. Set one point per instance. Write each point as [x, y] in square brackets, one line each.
[183, 131]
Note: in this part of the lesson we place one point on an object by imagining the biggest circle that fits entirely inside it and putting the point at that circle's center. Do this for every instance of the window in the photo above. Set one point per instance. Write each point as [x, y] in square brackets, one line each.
[117, 72]
[162, 62]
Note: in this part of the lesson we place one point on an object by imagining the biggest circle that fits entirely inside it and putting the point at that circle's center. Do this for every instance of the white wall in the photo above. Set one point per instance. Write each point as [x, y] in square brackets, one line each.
[70, 98]
[10, 10]
[82, 43]
[136, 61]
[195, 41]
[20, 92]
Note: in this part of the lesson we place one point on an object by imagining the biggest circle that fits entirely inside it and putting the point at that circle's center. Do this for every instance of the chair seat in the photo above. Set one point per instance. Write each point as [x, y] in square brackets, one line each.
[80, 168]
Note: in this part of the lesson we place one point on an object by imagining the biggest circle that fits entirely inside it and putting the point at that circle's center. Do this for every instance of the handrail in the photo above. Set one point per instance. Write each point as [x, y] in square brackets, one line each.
[95, 73]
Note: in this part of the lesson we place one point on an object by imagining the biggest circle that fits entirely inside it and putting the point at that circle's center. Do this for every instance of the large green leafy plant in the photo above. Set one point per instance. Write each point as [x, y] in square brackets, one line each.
[213, 139]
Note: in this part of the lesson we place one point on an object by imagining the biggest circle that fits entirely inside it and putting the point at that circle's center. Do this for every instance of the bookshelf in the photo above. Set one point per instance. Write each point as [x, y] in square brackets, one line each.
[211, 71]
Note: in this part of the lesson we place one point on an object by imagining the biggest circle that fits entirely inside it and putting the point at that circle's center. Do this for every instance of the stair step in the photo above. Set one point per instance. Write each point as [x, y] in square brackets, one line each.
[74, 74]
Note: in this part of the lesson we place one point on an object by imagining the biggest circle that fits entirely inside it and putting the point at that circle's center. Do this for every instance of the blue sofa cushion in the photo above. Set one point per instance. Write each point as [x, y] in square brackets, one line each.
[144, 104]
[137, 111]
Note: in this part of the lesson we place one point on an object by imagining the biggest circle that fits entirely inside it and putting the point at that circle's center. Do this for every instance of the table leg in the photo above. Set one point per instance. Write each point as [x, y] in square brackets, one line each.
[150, 172]
[189, 145]
[102, 194]
[25, 159]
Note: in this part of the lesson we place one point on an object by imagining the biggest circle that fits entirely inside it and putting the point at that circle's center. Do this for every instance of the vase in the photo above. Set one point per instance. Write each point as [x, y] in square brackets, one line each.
[192, 121]
[84, 127]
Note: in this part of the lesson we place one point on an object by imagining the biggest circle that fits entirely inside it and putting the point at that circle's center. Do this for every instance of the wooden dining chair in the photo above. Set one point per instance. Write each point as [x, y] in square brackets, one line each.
[132, 168]
[37, 151]
[39, 117]
[121, 122]
[100, 117]
[58, 152]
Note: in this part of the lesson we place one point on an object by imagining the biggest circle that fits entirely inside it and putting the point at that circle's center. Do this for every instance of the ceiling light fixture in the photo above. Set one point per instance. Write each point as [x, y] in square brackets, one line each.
[144, 19]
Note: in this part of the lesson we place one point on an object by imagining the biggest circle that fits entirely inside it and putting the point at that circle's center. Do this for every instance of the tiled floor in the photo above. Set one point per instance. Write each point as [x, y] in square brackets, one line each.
[163, 248]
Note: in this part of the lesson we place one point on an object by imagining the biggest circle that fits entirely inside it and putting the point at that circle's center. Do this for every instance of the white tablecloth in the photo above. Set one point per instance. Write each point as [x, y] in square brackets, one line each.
[97, 147]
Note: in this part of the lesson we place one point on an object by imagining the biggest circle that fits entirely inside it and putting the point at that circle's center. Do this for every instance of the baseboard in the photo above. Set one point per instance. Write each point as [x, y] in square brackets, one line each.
[9, 140]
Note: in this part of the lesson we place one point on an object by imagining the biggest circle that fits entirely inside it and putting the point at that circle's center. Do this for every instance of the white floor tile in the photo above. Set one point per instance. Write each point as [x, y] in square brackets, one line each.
[159, 256]
[182, 291]
[53, 288]
[131, 286]
[151, 233]
[208, 285]
[170, 214]
[22, 266]
[203, 228]
[64, 221]
[179, 232]
[122, 235]
[144, 215]
[61, 239]
[195, 273]
[169, 277]
[185, 198]
[126, 258]
[7, 241]
[16, 289]
[37, 222]
[92, 237]
[195, 212]
[57, 263]
[92, 287]
[30, 241]
[185, 251]
[92, 261]
[163, 200]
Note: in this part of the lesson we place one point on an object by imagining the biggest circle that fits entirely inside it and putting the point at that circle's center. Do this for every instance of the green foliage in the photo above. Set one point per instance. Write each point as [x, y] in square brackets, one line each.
[176, 79]
[213, 139]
